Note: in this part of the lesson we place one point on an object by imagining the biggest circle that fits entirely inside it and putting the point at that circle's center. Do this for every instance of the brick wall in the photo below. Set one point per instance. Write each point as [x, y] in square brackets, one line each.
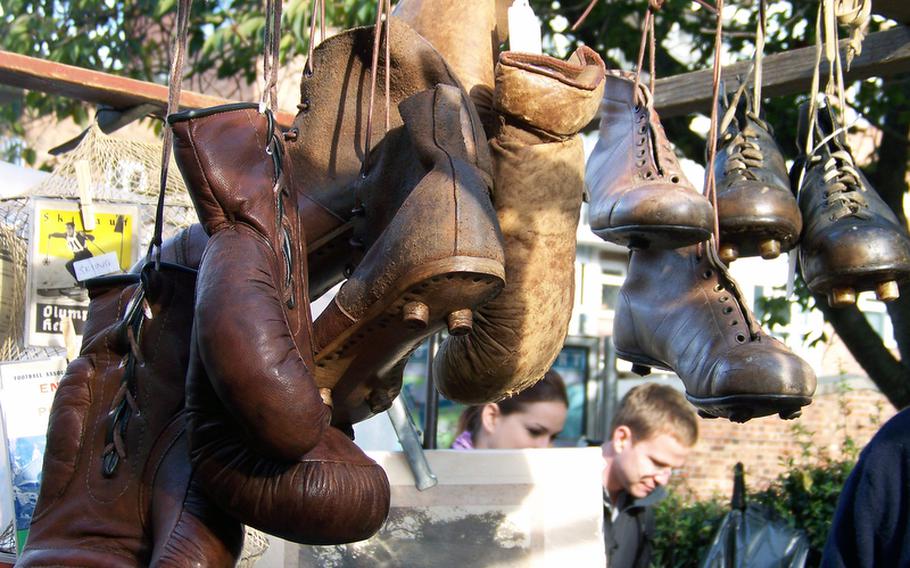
[843, 407]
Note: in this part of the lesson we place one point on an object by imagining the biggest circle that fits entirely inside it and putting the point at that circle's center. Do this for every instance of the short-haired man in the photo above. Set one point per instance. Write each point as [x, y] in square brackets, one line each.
[652, 433]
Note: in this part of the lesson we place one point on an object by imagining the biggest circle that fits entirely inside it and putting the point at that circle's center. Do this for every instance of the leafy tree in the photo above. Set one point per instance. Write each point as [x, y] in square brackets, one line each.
[132, 38]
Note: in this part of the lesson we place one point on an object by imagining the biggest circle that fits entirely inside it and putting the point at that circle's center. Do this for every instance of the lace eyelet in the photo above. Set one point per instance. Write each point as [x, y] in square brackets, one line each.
[674, 179]
[740, 338]
[724, 299]
[707, 274]
[728, 310]
[718, 288]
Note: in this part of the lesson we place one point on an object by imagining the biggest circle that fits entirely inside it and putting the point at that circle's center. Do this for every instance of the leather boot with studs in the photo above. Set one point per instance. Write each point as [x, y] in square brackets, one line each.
[680, 310]
[756, 209]
[639, 195]
[437, 259]
[538, 173]
[326, 142]
[852, 241]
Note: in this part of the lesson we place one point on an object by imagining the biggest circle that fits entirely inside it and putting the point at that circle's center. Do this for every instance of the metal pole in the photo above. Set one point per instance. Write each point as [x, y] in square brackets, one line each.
[431, 412]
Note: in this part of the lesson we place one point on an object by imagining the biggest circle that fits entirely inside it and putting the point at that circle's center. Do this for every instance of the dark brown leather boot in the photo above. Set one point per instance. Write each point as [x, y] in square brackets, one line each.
[852, 241]
[757, 210]
[326, 143]
[436, 260]
[259, 428]
[680, 310]
[117, 486]
[639, 194]
[468, 34]
[538, 185]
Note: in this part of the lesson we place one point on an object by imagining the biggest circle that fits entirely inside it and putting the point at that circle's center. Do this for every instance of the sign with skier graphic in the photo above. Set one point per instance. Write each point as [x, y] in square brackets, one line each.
[63, 254]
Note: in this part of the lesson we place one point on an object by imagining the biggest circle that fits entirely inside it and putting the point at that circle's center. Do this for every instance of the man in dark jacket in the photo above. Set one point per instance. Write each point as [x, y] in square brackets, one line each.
[652, 433]
[872, 523]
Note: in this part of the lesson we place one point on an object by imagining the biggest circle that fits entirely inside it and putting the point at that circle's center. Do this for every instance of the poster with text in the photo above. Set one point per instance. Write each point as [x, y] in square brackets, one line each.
[27, 391]
[63, 254]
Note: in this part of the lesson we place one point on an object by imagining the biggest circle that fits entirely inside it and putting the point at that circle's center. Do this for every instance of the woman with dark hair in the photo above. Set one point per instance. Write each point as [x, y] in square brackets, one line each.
[530, 419]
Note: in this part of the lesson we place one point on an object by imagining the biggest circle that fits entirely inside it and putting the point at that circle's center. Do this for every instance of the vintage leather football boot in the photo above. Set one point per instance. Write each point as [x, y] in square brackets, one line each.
[757, 211]
[468, 34]
[259, 428]
[639, 194]
[326, 142]
[852, 241]
[117, 486]
[538, 174]
[432, 263]
[680, 310]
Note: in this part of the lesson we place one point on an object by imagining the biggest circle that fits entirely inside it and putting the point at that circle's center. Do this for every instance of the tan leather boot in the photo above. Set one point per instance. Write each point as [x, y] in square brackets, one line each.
[326, 142]
[437, 259]
[639, 195]
[468, 34]
[681, 310]
[117, 486]
[538, 185]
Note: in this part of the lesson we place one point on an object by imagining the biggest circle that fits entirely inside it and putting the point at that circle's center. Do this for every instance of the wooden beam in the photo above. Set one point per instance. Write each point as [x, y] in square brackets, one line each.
[97, 87]
[884, 53]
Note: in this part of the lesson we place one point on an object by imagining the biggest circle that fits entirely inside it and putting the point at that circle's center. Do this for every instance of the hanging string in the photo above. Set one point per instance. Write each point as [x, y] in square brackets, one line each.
[173, 99]
[318, 7]
[710, 181]
[383, 7]
[271, 53]
[760, 31]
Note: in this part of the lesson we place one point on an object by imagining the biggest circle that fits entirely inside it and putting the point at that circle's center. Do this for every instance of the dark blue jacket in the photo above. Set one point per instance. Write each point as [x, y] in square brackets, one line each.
[872, 522]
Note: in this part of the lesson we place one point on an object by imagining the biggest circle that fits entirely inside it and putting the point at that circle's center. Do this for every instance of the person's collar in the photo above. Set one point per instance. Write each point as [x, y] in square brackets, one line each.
[625, 502]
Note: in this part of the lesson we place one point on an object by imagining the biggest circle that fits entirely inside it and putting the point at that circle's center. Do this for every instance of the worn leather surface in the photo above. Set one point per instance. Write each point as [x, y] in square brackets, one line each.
[331, 494]
[681, 310]
[639, 194]
[445, 228]
[538, 169]
[851, 238]
[149, 511]
[468, 34]
[259, 429]
[254, 263]
[754, 199]
[326, 158]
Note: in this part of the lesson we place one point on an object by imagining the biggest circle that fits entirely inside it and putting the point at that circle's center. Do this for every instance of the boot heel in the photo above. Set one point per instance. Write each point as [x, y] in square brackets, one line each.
[460, 322]
[641, 370]
[841, 297]
[416, 315]
[887, 291]
[769, 249]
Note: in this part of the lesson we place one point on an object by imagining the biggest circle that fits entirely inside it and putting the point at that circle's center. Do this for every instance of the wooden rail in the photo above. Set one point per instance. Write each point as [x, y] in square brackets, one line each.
[99, 88]
[884, 53]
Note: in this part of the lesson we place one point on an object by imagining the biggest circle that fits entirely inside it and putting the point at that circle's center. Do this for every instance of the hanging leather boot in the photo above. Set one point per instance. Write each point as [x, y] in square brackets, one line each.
[639, 195]
[468, 34]
[538, 171]
[325, 144]
[259, 427]
[757, 211]
[117, 486]
[852, 241]
[432, 263]
[680, 310]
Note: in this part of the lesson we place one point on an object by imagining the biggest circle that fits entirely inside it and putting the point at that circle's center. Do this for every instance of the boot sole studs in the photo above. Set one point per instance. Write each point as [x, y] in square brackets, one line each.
[742, 408]
[364, 361]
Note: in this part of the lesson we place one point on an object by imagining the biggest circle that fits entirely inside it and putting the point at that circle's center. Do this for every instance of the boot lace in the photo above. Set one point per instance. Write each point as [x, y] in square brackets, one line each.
[745, 155]
[844, 193]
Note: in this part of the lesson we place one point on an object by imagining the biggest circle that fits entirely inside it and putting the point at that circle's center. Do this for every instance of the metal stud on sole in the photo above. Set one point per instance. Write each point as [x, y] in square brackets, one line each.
[416, 314]
[460, 322]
